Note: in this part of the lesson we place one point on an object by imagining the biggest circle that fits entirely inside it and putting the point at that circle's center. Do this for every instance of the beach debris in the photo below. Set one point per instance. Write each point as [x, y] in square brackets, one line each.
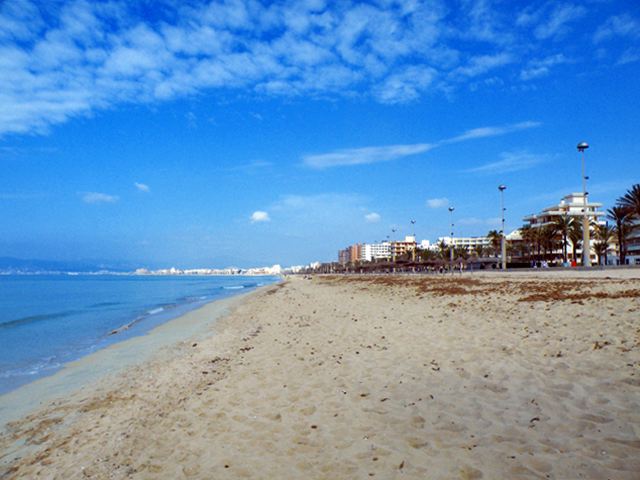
[194, 345]
[532, 422]
[401, 466]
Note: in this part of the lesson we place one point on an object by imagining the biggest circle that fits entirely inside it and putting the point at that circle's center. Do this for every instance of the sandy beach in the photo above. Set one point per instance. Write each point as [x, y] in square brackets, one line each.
[489, 376]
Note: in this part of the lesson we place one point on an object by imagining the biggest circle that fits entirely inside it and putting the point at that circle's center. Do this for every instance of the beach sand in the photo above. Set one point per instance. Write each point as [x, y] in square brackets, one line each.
[476, 376]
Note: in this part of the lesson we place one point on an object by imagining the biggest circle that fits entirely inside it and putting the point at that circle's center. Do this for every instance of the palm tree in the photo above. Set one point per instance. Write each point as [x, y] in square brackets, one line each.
[563, 224]
[575, 236]
[604, 234]
[622, 217]
[496, 241]
[443, 248]
[631, 200]
[547, 238]
[528, 240]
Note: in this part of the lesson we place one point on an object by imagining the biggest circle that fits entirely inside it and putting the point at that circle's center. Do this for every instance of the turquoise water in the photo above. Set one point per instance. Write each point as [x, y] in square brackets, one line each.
[47, 321]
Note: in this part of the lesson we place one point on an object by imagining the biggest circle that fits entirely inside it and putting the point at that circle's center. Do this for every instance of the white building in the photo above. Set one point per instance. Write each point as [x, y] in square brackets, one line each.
[375, 251]
[469, 243]
[571, 206]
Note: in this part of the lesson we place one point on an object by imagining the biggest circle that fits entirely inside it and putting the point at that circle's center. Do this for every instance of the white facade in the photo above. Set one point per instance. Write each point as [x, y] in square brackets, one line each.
[375, 251]
[571, 205]
[470, 243]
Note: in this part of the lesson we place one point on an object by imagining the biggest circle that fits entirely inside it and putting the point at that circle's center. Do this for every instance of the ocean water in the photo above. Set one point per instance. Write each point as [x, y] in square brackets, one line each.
[49, 320]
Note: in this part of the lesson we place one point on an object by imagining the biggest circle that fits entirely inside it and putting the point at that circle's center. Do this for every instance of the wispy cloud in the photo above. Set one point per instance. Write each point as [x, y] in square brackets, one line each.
[97, 197]
[618, 26]
[260, 216]
[56, 64]
[368, 155]
[372, 217]
[511, 162]
[438, 202]
[142, 187]
[557, 22]
[541, 67]
[365, 155]
[629, 56]
[494, 131]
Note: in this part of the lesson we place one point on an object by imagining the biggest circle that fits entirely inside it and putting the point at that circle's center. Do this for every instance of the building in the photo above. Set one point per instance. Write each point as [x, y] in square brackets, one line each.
[350, 254]
[402, 247]
[633, 245]
[571, 206]
[375, 251]
[471, 244]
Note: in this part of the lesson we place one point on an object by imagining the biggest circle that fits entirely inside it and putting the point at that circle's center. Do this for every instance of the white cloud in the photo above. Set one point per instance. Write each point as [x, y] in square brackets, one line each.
[368, 155]
[541, 67]
[511, 162]
[142, 187]
[617, 26]
[629, 56]
[406, 85]
[481, 64]
[260, 216]
[365, 155]
[557, 22]
[494, 131]
[96, 197]
[438, 202]
[372, 217]
[56, 64]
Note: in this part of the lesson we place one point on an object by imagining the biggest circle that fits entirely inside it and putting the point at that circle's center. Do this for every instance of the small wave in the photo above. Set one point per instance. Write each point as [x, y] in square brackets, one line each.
[155, 310]
[234, 287]
[31, 370]
[36, 318]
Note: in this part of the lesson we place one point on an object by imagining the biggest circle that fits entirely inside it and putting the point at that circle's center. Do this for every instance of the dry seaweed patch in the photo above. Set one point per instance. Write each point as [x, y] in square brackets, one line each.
[275, 288]
[436, 286]
[551, 295]
[575, 290]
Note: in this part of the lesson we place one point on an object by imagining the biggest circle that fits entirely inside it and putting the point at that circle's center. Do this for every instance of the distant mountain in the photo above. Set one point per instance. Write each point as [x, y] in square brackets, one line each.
[14, 265]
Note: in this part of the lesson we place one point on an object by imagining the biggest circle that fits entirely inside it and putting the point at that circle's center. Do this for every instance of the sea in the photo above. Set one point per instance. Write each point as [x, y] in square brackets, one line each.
[49, 320]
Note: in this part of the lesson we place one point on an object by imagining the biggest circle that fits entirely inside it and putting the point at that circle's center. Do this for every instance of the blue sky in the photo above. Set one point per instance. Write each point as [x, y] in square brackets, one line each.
[248, 133]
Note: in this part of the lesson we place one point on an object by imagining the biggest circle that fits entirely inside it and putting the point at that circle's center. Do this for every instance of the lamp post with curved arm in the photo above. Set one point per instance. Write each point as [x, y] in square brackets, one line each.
[503, 240]
[451, 209]
[586, 233]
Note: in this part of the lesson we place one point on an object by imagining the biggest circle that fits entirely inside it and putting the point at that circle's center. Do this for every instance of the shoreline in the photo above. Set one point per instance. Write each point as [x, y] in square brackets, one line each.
[82, 373]
[351, 376]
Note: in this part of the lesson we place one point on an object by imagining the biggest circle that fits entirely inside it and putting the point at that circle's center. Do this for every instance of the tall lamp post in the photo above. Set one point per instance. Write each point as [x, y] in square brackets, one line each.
[586, 233]
[393, 250]
[503, 240]
[451, 209]
[413, 252]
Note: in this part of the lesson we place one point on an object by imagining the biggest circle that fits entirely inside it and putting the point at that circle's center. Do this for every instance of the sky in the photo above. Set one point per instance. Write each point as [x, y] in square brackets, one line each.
[247, 133]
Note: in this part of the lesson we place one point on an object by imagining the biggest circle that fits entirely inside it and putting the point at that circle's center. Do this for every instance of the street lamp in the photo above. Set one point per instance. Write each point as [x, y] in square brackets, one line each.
[451, 209]
[586, 243]
[393, 249]
[413, 251]
[503, 241]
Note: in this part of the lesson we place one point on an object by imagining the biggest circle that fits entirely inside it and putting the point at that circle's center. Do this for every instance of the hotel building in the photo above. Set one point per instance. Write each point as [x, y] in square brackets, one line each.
[571, 206]
[469, 243]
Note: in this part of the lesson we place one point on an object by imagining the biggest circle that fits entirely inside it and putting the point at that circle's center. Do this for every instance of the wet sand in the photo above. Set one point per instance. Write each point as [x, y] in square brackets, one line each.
[474, 376]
